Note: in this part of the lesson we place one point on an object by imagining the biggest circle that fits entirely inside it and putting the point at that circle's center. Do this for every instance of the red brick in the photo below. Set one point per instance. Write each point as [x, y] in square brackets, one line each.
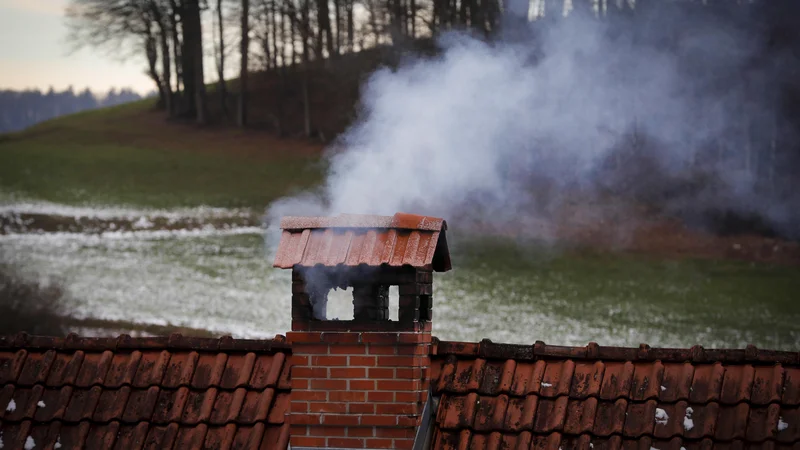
[368, 361]
[379, 420]
[403, 444]
[308, 372]
[401, 361]
[404, 421]
[303, 337]
[346, 442]
[379, 338]
[402, 433]
[300, 384]
[347, 396]
[328, 385]
[420, 349]
[361, 408]
[348, 349]
[409, 396]
[304, 419]
[340, 419]
[396, 385]
[381, 350]
[304, 441]
[311, 349]
[341, 338]
[298, 360]
[379, 443]
[327, 431]
[328, 407]
[361, 431]
[299, 407]
[299, 430]
[348, 372]
[329, 360]
[410, 372]
[382, 372]
[396, 408]
[404, 338]
[362, 385]
[309, 395]
[380, 396]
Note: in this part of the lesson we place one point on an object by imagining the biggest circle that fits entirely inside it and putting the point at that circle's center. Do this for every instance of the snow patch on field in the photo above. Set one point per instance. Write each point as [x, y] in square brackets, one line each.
[113, 212]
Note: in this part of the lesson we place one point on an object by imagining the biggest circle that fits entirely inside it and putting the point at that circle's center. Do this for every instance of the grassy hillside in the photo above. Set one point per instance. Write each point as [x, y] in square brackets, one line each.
[130, 155]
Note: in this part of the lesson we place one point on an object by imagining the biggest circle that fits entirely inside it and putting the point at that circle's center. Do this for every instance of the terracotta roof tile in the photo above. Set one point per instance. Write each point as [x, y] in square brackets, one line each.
[618, 398]
[65, 369]
[587, 379]
[790, 430]
[165, 393]
[151, 368]
[791, 387]
[349, 240]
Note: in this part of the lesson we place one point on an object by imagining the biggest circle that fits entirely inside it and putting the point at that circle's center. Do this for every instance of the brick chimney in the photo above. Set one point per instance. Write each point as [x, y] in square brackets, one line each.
[361, 383]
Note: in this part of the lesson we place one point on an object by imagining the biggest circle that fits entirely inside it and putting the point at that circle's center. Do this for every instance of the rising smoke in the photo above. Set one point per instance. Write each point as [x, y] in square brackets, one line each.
[581, 110]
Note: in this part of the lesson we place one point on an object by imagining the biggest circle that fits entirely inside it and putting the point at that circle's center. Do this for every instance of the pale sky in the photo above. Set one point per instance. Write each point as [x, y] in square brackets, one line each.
[34, 53]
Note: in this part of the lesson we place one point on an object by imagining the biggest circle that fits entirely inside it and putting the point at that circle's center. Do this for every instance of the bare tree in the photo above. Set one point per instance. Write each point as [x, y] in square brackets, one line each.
[160, 10]
[112, 25]
[193, 61]
[220, 50]
[245, 50]
[324, 29]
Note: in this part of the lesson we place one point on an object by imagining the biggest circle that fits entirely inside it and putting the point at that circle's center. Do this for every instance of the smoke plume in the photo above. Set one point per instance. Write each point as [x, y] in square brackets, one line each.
[580, 110]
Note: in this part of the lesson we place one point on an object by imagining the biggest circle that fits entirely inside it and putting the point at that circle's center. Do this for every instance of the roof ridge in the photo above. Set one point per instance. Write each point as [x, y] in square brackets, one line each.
[620, 435]
[620, 397]
[594, 352]
[207, 422]
[174, 341]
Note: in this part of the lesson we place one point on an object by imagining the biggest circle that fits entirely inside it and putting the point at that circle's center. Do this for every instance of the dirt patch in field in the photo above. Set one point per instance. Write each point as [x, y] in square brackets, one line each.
[625, 229]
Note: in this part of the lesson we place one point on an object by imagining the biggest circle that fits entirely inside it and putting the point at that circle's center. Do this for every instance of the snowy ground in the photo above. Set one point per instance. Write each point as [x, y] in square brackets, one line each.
[220, 278]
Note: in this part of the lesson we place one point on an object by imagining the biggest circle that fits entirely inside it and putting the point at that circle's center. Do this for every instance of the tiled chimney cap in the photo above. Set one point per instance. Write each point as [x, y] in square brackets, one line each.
[354, 240]
[400, 221]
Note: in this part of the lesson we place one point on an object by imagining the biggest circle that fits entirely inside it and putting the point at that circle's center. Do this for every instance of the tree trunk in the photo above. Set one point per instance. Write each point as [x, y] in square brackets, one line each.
[167, 73]
[292, 32]
[273, 7]
[245, 47]
[413, 18]
[152, 71]
[193, 41]
[350, 26]
[305, 32]
[337, 15]
[188, 107]
[166, 63]
[221, 86]
[325, 23]
[176, 45]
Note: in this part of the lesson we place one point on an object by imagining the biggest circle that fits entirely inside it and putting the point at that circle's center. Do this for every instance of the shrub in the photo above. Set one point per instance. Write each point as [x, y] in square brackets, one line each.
[33, 307]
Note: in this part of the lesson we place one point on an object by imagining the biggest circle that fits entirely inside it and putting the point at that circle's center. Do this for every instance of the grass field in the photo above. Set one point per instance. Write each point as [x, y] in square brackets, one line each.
[127, 155]
[127, 161]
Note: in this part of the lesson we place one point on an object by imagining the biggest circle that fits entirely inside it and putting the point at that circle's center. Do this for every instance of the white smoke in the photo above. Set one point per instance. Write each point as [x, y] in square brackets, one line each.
[514, 129]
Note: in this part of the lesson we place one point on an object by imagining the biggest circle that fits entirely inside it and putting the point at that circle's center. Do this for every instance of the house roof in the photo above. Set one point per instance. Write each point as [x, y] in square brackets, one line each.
[353, 240]
[171, 392]
[550, 397]
[179, 392]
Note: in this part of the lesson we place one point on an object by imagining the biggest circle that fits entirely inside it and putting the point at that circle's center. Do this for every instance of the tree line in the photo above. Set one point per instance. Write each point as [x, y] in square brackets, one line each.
[275, 34]
[21, 109]
[295, 39]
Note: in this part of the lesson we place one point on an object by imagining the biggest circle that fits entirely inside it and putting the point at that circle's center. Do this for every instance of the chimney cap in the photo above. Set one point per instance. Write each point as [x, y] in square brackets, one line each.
[400, 221]
[355, 240]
